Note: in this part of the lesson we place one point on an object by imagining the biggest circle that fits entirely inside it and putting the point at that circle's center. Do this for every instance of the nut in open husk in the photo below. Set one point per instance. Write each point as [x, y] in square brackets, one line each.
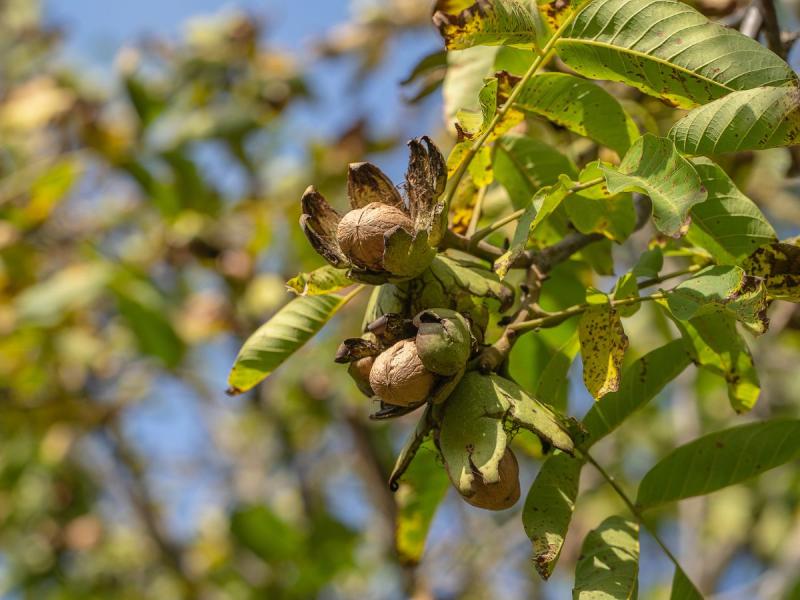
[361, 233]
[382, 238]
[500, 494]
[398, 376]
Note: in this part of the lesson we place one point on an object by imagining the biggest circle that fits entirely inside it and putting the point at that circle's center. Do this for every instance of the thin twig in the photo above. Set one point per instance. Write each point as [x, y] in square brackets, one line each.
[771, 28]
[556, 318]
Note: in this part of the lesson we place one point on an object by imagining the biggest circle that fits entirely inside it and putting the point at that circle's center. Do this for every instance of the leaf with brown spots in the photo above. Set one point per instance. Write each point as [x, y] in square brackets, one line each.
[779, 265]
[603, 345]
[555, 12]
[548, 509]
[654, 167]
[487, 22]
[722, 288]
[577, 104]
[764, 117]
[720, 459]
[669, 50]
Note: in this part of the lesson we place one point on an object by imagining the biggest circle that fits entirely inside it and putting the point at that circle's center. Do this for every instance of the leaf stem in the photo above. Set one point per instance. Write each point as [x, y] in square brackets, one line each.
[662, 278]
[634, 510]
[556, 318]
[538, 62]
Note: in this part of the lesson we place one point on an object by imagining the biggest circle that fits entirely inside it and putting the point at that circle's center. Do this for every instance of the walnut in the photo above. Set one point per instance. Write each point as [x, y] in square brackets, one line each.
[361, 232]
[501, 494]
[398, 376]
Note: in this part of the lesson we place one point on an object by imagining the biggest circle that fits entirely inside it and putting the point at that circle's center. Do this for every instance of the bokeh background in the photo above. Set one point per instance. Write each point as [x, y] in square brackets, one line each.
[152, 156]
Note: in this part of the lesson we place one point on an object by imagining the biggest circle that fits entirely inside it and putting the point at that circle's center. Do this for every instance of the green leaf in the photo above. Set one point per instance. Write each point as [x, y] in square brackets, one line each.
[523, 165]
[717, 347]
[544, 202]
[728, 224]
[581, 106]
[260, 530]
[603, 345]
[721, 288]
[548, 509]
[642, 381]
[779, 265]
[324, 280]
[145, 311]
[754, 119]
[668, 50]
[277, 339]
[608, 566]
[500, 22]
[649, 264]
[473, 435]
[422, 488]
[683, 588]
[552, 384]
[718, 460]
[595, 210]
[654, 167]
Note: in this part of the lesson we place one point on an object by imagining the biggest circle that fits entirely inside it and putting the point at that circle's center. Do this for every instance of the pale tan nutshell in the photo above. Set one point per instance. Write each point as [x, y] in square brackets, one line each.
[502, 494]
[398, 376]
[360, 232]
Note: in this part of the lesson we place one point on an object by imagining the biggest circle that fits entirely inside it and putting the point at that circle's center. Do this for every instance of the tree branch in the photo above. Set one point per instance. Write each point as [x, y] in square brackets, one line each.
[771, 28]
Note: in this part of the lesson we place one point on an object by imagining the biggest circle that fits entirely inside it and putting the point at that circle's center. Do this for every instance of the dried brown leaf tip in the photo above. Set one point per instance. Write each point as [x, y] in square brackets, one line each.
[383, 237]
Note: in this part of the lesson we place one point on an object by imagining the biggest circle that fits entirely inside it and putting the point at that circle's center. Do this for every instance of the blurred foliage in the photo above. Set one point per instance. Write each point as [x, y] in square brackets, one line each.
[148, 225]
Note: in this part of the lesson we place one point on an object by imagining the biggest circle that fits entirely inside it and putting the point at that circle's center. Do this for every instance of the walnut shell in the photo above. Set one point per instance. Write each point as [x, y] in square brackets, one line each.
[398, 376]
[360, 233]
[359, 370]
[501, 494]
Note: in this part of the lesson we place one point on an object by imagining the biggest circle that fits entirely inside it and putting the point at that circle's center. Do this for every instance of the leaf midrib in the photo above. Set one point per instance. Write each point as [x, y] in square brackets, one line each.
[643, 55]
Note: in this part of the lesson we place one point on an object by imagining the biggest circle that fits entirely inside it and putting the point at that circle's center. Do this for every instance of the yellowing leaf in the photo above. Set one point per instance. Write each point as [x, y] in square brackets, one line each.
[501, 22]
[779, 265]
[324, 280]
[603, 345]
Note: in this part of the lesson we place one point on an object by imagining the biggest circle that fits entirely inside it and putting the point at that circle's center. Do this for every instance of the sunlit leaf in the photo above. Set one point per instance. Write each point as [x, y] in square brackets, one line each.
[324, 280]
[779, 265]
[717, 346]
[720, 459]
[765, 117]
[579, 105]
[71, 288]
[548, 509]
[603, 345]
[277, 339]
[654, 167]
[722, 288]
[506, 22]
[642, 381]
[608, 566]
[728, 224]
[667, 49]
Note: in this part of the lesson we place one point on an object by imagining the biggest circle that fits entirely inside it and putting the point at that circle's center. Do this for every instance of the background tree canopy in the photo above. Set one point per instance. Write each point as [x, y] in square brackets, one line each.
[150, 193]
